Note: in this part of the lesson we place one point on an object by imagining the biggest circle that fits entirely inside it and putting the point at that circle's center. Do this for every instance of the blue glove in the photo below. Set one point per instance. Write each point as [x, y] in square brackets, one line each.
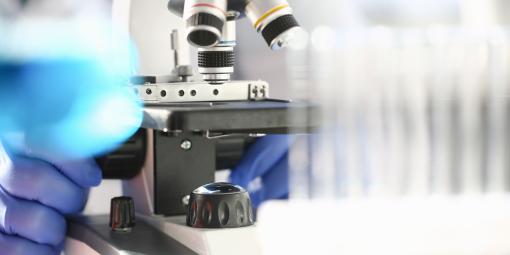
[64, 94]
[264, 169]
[35, 197]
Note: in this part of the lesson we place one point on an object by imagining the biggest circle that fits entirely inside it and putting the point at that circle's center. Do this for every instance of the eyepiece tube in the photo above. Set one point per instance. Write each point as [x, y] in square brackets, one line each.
[205, 20]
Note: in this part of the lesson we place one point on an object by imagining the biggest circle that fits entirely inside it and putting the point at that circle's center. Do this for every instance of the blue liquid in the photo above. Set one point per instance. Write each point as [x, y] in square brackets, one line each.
[71, 108]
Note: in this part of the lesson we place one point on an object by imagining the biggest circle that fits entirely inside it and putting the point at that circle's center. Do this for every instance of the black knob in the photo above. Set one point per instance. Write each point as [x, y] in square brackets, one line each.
[219, 205]
[122, 214]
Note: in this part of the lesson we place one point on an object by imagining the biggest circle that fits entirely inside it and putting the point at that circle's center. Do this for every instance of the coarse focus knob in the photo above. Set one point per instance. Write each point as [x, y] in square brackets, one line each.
[219, 205]
[122, 214]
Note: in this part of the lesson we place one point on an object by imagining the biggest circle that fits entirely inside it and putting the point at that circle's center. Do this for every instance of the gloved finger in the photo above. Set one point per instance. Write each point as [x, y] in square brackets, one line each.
[33, 179]
[84, 172]
[31, 220]
[260, 157]
[275, 183]
[14, 245]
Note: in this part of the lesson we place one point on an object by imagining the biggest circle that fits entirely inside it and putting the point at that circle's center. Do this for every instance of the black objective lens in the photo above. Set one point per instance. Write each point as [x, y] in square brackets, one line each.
[278, 27]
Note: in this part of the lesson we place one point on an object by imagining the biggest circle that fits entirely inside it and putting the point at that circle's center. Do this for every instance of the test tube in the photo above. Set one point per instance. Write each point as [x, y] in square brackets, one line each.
[470, 90]
[497, 101]
[440, 98]
[413, 91]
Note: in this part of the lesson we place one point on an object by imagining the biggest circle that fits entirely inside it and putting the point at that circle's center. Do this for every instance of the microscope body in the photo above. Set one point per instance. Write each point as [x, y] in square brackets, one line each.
[192, 128]
[196, 126]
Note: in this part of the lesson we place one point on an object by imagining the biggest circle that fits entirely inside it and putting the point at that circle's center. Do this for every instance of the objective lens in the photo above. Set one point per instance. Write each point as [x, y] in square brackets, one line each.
[274, 20]
[205, 20]
[216, 64]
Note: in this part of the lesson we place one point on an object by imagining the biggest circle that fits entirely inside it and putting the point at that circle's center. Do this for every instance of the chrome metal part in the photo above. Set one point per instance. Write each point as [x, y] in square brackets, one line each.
[147, 92]
[203, 92]
[174, 46]
[185, 200]
[186, 145]
[216, 78]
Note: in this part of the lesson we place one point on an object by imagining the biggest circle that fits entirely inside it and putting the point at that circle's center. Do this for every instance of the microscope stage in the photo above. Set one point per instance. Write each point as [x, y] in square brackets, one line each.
[267, 116]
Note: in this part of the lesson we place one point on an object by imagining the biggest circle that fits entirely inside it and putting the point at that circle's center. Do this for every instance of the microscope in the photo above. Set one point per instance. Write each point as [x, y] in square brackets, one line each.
[192, 128]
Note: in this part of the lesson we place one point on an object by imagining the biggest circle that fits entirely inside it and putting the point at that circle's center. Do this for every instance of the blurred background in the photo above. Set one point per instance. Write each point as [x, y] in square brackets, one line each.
[344, 15]
[414, 95]
[412, 156]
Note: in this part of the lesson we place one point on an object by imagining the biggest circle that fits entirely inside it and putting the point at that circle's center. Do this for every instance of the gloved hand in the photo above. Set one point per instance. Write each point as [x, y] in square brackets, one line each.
[264, 169]
[35, 196]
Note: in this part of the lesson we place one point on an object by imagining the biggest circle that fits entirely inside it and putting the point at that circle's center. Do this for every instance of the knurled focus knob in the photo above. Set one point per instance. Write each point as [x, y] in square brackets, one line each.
[219, 205]
[122, 214]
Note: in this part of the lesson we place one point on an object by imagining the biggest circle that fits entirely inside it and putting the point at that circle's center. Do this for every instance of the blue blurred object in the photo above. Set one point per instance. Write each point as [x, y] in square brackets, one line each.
[264, 169]
[66, 96]
[67, 107]
[35, 196]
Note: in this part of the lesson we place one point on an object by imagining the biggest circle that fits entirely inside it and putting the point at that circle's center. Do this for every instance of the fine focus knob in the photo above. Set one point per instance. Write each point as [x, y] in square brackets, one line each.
[122, 214]
[219, 205]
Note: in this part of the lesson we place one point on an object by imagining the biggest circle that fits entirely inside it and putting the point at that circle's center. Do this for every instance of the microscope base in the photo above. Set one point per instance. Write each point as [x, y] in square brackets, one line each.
[157, 235]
